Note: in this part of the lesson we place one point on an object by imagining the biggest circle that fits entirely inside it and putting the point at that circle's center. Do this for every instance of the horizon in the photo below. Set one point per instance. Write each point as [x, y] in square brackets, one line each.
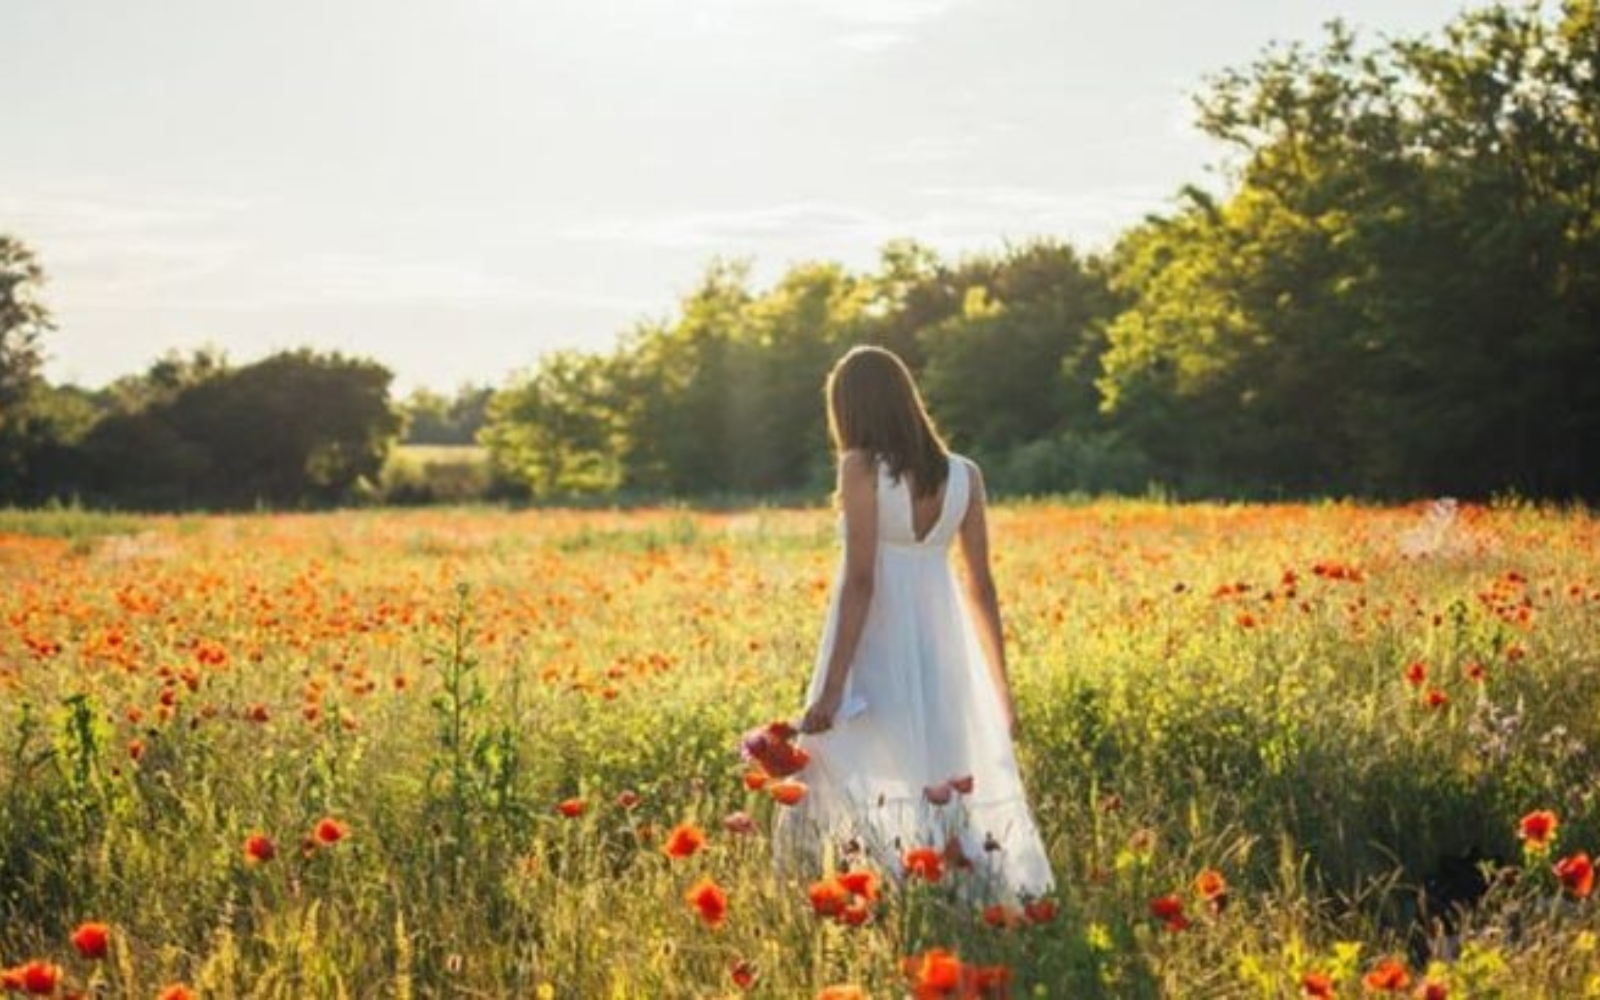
[455, 191]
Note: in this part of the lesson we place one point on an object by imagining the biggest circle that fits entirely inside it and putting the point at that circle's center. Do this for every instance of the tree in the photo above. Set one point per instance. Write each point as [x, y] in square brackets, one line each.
[297, 427]
[555, 429]
[23, 321]
[1400, 291]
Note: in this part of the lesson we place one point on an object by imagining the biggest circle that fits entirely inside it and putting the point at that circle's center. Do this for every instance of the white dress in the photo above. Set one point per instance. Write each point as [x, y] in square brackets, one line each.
[926, 712]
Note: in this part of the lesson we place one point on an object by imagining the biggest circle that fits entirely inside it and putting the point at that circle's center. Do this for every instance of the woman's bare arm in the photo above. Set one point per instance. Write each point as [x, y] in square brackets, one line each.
[858, 495]
[981, 593]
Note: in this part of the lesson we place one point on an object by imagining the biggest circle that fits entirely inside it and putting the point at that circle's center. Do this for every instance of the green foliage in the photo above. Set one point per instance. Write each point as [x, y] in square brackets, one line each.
[727, 398]
[23, 319]
[1403, 286]
[296, 427]
[434, 419]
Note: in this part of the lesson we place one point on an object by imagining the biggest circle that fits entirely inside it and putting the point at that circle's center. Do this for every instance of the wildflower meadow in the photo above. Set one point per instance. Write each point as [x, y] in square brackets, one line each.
[1275, 751]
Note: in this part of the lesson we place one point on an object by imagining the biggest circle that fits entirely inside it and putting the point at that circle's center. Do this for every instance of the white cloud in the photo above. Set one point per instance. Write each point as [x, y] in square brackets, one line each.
[797, 222]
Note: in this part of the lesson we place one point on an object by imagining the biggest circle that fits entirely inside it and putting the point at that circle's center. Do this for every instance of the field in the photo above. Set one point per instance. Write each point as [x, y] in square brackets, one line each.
[452, 753]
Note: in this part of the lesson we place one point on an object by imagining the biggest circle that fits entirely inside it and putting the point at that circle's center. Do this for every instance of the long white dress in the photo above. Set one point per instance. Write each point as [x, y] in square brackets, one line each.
[931, 717]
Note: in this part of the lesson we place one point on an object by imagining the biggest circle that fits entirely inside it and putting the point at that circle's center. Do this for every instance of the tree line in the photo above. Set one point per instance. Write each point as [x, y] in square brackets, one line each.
[1396, 292]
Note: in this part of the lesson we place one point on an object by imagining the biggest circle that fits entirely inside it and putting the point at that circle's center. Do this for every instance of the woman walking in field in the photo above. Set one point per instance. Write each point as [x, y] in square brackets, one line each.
[909, 716]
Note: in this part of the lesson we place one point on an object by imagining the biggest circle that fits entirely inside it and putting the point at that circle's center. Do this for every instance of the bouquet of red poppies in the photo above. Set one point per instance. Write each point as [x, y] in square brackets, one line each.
[772, 746]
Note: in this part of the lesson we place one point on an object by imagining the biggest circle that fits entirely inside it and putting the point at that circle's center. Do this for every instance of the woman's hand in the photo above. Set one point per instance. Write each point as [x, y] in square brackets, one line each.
[819, 714]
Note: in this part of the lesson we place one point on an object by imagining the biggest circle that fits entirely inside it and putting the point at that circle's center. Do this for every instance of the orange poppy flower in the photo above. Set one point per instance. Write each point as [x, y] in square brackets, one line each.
[1576, 874]
[1388, 976]
[787, 792]
[1537, 829]
[1212, 887]
[842, 992]
[706, 898]
[92, 939]
[925, 863]
[178, 991]
[684, 840]
[756, 779]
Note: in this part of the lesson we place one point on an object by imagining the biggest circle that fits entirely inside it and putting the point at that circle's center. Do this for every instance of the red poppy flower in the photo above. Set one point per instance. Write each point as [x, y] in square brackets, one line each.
[178, 991]
[1436, 698]
[1039, 911]
[937, 971]
[684, 840]
[92, 939]
[955, 855]
[627, 798]
[1537, 829]
[259, 849]
[1169, 910]
[1433, 989]
[925, 863]
[1317, 985]
[787, 792]
[999, 916]
[1416, 673]
[828, 897]
[330, 831]
[987, 981]
[856, 914]
[571, 808]
[739, 823]
[861, 883]
[706, 898]
[39, 978]
[1388, 976]
[743, 974]
[938, 794]
[1576, 874]
[963, 784]
[756, 779]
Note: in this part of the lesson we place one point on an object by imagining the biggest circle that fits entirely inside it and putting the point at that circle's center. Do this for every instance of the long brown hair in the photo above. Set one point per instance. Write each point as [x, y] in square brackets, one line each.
[873, 405]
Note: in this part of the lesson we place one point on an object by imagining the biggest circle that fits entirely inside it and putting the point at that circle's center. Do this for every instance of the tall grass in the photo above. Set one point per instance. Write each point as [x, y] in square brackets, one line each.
[1228, 688]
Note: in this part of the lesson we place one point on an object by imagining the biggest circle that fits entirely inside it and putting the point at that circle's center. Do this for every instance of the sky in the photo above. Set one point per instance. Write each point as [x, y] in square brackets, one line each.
[455, 187]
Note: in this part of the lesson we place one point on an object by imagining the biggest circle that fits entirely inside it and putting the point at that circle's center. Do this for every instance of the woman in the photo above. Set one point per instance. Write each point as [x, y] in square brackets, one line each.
[909, 715]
